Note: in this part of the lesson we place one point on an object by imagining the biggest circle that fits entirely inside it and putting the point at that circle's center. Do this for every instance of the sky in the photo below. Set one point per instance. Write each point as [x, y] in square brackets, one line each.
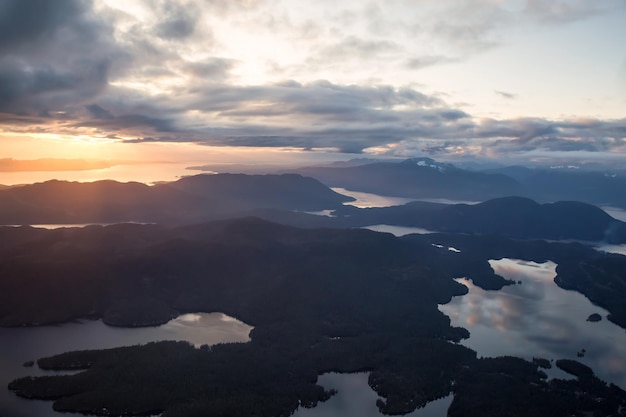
[95, 86]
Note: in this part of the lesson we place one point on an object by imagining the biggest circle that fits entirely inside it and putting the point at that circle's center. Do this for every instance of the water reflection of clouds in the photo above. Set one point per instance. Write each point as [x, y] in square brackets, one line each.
[537, 318]
[355, 398]
[185, 318]
[618, 249]
[18, 345]
[398, 230]
[367, 200]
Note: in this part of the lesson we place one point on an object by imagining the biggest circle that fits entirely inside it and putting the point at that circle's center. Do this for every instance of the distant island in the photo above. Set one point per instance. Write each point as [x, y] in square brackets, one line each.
[594, 318]
[290, 199]
[188, 200]
[515, 217]
[426, 178]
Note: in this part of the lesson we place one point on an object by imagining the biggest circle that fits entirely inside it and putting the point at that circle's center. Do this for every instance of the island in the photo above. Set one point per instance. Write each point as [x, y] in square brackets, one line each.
[594, 318]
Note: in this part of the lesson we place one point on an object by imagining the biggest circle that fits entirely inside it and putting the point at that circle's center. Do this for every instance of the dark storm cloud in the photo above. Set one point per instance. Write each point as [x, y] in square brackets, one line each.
[27, 21]
[129, 121]
[53, 54]
[98, 112]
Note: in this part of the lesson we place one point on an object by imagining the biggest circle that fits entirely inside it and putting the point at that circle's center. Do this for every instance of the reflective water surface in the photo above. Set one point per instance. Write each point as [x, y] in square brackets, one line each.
[355, 398]
[615, 212]
[398, 230]
[538, 319]
[621, 249]
[366, 200]
[18, 345]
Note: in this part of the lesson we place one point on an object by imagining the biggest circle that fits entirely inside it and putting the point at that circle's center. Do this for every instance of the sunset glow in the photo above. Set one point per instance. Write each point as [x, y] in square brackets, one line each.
[193, 82]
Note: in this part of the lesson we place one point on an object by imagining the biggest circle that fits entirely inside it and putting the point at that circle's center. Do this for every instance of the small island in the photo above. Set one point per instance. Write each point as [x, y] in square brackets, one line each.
[594, 318]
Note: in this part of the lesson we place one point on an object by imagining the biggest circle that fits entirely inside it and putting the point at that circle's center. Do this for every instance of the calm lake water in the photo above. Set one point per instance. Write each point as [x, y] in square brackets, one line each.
[621, 249]
[398, 230]
[367, 200]
[615, 212]
[18, 345]
[355, 398]
[538, 319]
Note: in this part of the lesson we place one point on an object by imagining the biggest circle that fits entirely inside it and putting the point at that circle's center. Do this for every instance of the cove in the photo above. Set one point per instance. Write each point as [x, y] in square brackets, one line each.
[538, 319]
[18, 345]
[355, 398]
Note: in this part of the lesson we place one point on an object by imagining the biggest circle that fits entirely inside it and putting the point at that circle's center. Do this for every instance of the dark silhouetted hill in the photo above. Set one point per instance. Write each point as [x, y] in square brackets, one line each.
[417, 178]
[515, 217]
[594, 187]
[287, 191]
[188, 200]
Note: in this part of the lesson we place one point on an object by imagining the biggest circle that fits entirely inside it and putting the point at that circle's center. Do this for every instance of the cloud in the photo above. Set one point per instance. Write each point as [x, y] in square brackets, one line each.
[177, 20]
[24, 22]
[562, 11]
[429, 61]
[321, 114]
[506, 95]
[355, 48]
[98, 112]
[210, 69]
[172, 72]
[52, 55]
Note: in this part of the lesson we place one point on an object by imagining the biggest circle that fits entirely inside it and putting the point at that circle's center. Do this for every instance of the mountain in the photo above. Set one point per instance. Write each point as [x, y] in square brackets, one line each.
[515, 217]
[286, 191]
[562, 183]
[417, 178]
[101, 201]
[520, 217]
[189, 199]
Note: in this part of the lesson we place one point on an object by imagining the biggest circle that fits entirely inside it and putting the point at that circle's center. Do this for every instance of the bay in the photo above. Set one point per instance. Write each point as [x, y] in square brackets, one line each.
[398, 230]
[22, 344]
[538, 319]
[368, 200]
[355, 398]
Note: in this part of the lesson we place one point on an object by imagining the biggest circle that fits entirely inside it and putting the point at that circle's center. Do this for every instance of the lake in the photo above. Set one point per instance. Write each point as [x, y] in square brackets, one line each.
[398, 230]
[367, 200]
[355, 398]
[538, 319]
[621, 249]
[22, 344]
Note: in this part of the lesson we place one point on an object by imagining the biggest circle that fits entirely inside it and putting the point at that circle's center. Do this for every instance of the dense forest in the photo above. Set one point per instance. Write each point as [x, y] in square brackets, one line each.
[321, 300]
